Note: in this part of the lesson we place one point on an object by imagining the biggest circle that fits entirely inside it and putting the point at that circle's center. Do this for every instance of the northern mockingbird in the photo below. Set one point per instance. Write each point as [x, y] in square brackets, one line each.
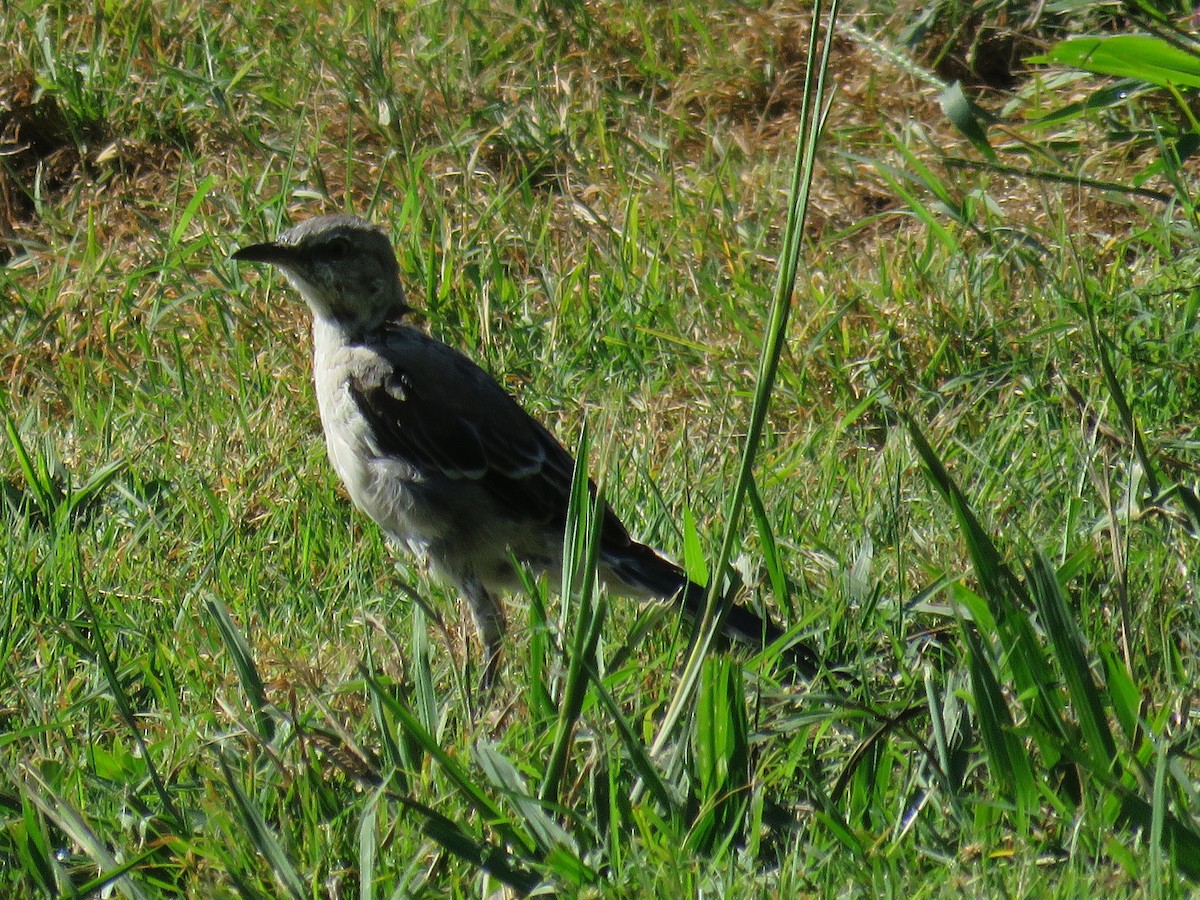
[438, 454]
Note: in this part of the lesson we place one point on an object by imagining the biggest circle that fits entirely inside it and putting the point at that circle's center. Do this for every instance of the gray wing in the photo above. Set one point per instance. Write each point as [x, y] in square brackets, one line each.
[444, 416]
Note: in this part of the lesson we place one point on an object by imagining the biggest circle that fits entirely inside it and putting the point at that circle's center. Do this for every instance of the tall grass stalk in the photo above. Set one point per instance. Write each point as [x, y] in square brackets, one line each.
[812, 118]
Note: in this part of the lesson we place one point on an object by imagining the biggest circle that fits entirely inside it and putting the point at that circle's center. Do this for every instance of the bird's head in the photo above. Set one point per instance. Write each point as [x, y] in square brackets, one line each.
[343, 267]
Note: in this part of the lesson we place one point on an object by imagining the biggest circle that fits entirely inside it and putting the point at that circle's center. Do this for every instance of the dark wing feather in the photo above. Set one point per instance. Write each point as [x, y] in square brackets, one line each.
[443, 415]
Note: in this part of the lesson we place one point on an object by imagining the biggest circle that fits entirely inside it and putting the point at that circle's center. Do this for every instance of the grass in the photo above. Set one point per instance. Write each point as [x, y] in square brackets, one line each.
[973, 490]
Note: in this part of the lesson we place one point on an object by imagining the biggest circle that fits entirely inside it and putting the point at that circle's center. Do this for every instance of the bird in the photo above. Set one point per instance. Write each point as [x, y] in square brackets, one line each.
[443, 459]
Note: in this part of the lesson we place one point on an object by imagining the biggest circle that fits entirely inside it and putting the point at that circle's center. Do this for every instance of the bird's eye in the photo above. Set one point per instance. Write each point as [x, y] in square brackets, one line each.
[338, 248]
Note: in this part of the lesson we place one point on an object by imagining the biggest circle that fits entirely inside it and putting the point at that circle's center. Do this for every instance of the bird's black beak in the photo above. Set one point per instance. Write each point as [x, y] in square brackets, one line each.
[270, 252]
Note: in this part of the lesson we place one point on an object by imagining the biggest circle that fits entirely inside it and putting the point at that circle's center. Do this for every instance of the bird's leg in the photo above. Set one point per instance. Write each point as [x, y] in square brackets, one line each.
[488, 613]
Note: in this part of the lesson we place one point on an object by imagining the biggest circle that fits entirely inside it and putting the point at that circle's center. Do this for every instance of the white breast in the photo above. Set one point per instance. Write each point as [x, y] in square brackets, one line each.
[379, 486]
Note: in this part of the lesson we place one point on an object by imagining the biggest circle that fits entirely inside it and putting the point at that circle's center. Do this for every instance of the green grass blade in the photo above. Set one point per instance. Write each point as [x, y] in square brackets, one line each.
[368, 846]
[33, 847]
[772, 559]
[1180, 840]
[1067, 642]
[75, 826]
[393, 754]
[189, 211]
[47, 495]
[1008, 602]
[1123, 694]
[1143, 57]
[547, 832]
[720, 740]
[1124, 410]
[1007, 759]
[774, 341]
[243, 663]
[482, 854]
[581, 552]
[458, 775]
[262, 836]
[542, 706]
[120, 696]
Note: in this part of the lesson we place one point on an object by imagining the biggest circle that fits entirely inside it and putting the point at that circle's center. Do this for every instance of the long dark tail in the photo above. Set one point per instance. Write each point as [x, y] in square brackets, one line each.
[638, 565]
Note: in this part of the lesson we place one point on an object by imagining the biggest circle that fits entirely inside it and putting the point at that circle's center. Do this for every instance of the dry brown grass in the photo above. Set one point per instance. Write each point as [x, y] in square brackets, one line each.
[731, 83]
